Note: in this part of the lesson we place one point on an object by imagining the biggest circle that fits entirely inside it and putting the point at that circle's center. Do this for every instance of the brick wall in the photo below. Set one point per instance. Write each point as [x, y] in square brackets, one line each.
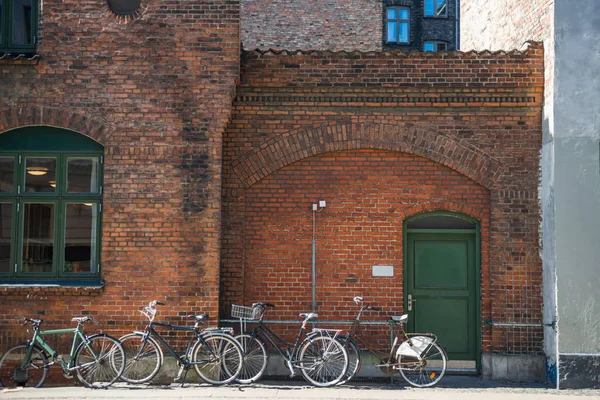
[381, 137]
[156, 91]
[337, 25]
[311, 24]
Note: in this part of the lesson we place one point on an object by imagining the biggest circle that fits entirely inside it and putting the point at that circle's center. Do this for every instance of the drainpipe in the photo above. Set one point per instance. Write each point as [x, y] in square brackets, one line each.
[456, 19]
[315, 209]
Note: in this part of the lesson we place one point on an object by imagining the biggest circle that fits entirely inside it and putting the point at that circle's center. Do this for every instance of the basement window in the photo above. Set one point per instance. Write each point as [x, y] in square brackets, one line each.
[435, 46]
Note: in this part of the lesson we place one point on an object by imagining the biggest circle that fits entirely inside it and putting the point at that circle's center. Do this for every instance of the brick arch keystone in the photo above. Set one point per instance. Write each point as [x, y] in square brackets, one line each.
[283, 150]
[30, 116]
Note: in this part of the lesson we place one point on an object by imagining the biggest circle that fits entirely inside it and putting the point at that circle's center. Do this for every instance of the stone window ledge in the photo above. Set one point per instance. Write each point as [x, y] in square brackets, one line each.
[87, 288]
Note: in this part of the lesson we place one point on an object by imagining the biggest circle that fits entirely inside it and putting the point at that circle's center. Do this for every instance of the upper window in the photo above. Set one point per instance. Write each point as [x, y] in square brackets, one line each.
[436, 8]
[50, 205]
[435, 46]
[18, 25]
[397, 24]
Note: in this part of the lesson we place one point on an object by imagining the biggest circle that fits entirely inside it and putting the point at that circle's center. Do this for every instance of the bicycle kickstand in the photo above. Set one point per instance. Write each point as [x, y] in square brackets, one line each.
[182, 370]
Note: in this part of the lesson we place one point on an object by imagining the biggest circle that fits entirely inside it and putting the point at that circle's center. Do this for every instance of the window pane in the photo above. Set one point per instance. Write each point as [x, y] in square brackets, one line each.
[82, 175]
[40, 175]
[404, 14]
[7, 173]
[403, 32]
[441, 222]
[21, 22]
[392, 32]
[392, 13]
[5, 236]
[441, 8]
[429, 46]
[38, 237]
[441, 46]
[429, 6]
[80, 237]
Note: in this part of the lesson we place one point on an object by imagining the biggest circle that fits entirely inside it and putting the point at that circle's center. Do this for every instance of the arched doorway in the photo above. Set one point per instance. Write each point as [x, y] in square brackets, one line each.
[441, 282]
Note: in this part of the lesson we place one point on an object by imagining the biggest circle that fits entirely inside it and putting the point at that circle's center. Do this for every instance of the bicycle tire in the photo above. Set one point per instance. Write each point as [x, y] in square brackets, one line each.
[323, 361]
[222, 356]
[143, 358]
[102, 370]
[426, 372]
[256, 358]
[354, 361]
[35, 373]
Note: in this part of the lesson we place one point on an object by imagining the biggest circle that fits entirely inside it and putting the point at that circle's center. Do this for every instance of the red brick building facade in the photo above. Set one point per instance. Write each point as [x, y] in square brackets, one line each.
[212, 161]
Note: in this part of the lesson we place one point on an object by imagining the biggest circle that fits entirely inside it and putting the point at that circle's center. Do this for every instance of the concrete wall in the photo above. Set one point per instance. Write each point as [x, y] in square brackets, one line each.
[577, 190]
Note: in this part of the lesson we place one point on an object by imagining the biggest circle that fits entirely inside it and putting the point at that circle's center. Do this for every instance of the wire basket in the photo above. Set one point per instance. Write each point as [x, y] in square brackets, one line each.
[244, 312]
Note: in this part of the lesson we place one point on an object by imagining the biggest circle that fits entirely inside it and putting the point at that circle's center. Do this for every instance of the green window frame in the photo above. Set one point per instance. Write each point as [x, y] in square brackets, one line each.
[50, 206]
[18, 26]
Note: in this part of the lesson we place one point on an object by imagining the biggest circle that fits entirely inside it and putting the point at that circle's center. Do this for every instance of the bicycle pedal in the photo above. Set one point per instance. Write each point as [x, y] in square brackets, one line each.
[68, 375]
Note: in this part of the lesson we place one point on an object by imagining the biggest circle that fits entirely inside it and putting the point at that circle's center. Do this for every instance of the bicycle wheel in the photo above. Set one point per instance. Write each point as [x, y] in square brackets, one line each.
[99, 361]
[220, 358]
[426, 370]
[323, 361]
[143, 358]
[353, 359]
[255, 361]
[32, 375]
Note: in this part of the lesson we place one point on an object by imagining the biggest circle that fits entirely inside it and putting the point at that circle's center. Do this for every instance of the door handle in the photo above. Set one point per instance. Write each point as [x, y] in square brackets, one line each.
[410, 302]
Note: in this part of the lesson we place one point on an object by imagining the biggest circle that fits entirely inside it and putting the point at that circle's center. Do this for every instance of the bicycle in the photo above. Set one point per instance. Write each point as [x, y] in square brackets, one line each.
[98, 360]
[321, 358]
[421, 361]
[214, 353]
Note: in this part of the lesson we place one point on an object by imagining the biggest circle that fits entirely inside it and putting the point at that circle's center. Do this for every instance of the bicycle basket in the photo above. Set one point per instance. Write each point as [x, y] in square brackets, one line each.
[245, 312]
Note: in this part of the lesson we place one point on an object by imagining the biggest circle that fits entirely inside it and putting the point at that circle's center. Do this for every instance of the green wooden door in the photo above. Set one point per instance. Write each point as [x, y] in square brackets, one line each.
[441, 279]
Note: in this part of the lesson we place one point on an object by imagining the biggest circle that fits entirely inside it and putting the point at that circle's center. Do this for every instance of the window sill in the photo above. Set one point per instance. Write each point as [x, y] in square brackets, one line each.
[40, 288]
[19, 58]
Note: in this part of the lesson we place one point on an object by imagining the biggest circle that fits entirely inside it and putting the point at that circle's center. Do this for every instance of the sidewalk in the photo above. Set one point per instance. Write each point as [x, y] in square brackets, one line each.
[452, 388]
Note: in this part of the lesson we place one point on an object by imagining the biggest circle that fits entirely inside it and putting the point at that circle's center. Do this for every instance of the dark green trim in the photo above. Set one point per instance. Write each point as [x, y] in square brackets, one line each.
[40, 142]
[47, 138]
[477, 232]
[6, 23]
[95, 283]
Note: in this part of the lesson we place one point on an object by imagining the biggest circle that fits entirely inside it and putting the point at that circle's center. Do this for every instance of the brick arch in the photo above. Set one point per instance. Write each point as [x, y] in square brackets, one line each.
[445, 206]
[286, 149]
[30, 116]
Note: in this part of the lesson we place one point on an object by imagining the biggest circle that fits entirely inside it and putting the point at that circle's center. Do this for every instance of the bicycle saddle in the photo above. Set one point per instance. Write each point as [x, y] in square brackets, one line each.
[399, 318]
[309, 316]
[199, 318]
[81, 320]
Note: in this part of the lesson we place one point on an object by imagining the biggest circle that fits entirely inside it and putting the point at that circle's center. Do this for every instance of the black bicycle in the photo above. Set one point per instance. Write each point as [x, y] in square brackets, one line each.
[321, 358]
[214, 353]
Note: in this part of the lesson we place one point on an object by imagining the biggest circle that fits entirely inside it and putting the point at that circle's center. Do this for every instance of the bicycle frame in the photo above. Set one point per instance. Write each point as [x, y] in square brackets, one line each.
[264, 332]
[78, 337]
[198, 335]
[386, 359]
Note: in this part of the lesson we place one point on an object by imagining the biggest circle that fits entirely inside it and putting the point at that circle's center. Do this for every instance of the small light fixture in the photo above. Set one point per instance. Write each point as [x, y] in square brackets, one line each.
[37, 171]
[88, 204]
[52, 184]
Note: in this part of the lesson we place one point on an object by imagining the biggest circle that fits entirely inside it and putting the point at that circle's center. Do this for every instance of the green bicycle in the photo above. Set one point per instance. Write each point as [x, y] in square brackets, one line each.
[98, 360]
